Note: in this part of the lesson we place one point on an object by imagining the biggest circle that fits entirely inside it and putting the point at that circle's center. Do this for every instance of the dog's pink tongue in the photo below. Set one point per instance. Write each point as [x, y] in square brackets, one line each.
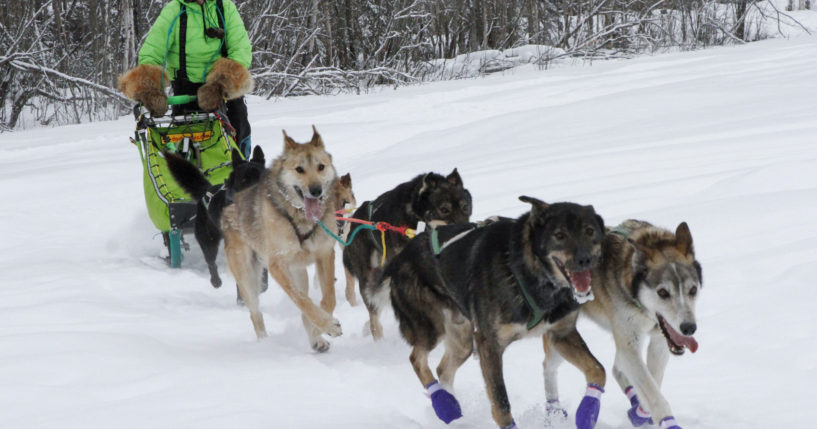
[682, 340]
[312, 207]
[581, 281]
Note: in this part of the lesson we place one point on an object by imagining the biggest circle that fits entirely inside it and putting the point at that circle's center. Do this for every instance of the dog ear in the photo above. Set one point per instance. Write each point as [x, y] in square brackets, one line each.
[289, 144]
[683, 239]
[236, 157]
[258, 155]
[600, 221]
[454, 178]
[317, 141]
[538, 207]
[429, 182]
[346, 181]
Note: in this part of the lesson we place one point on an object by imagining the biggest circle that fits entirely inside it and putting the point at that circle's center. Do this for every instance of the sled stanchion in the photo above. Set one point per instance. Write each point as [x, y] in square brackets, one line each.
[174, 246]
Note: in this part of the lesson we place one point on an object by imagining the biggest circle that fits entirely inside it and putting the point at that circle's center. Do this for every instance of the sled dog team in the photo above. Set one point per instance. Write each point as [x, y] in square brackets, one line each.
[476, 287]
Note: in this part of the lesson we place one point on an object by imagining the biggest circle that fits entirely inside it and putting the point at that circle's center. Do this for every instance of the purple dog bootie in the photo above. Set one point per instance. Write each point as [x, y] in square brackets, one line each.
[444, 403]
[510, 426]
[669, 423]
[588, 412]
[638, 417]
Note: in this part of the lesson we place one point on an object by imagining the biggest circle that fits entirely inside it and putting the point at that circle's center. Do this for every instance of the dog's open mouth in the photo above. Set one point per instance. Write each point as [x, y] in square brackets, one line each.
[675, 340]
[312, 206]
[579, 281]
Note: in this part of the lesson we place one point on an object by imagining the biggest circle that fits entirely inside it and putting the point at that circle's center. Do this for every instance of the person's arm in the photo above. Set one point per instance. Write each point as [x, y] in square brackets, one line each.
[239, 48]
[156, 44]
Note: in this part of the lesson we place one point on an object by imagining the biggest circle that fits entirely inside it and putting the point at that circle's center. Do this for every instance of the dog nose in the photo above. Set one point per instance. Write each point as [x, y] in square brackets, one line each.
[315, 190]
[583, 260]
[688, 328]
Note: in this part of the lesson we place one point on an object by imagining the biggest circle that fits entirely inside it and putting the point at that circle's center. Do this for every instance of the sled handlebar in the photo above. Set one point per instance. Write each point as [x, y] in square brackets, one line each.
[180, 99]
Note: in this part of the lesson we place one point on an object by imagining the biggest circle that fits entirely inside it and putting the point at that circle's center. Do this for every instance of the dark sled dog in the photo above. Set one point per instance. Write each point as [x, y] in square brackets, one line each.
[491, 285]
[646, 286]
[212, 199]
[274, 224]
[427, 198]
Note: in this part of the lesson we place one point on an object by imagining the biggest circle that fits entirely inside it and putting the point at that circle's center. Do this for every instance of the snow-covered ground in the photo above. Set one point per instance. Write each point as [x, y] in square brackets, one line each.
[95, 332]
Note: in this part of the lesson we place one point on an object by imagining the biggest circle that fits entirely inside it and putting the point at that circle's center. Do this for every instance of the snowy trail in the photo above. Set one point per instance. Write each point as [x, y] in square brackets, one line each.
[96, 332]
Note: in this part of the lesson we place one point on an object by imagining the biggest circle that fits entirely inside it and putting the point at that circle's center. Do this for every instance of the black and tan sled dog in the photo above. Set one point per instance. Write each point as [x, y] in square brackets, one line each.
[274, 224]
[491, 285]
[429, 198]
[212, 199]
[646, 288]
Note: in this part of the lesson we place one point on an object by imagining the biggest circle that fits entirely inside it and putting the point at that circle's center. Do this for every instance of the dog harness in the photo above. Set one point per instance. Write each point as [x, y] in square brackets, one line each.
[537, 313]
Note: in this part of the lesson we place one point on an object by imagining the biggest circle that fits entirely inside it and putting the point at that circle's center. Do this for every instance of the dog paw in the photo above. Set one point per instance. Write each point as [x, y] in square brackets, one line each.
[444, 403]
[638, 417]
[555, 414]
[588, 412]
[216, 282]
[320, 345]
[333, 330]
[669, 423]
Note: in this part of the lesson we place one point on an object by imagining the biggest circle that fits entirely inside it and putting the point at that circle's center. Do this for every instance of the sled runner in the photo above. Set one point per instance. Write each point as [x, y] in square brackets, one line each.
[205, 139]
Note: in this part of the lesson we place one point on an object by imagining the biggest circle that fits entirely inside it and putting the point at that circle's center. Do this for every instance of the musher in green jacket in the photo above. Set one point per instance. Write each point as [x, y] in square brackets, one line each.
[217, 56]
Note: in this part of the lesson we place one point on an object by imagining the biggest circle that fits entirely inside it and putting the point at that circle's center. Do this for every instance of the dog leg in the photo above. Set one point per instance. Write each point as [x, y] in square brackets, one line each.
[301, 280]
[351, 298]
[459, 344]
[490, 361]
[320, 318]
[657, 357]
[241, 263]
[572, 347]
[554, 413]
[375, 297]
[208, 238]
[444, 403]
[628, 360]
[326, 277]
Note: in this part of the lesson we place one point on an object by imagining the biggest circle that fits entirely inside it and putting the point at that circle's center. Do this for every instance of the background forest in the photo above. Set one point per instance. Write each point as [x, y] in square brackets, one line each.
[59, 59]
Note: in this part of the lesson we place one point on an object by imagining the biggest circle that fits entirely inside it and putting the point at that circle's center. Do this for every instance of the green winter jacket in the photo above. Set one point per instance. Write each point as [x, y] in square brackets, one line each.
[202, 51]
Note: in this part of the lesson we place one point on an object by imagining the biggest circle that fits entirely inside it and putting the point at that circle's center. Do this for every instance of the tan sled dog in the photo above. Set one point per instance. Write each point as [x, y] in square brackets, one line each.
[274, 224]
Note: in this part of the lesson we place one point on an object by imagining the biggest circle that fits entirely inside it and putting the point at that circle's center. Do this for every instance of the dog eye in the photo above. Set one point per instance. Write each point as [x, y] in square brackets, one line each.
[299, 169]
[321, 167]
[560, 235]
[445, 210]
[589, 232]
[663, 293]
[693, 291]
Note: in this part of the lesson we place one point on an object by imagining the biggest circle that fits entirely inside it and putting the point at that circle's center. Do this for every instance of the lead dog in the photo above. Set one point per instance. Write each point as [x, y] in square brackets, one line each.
[496, 284]
[274, 223]
[645, 287]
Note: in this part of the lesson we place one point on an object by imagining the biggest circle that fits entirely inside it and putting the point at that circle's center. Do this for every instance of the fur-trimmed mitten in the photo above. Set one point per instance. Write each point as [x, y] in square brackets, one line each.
[227, 80]
[143, 83]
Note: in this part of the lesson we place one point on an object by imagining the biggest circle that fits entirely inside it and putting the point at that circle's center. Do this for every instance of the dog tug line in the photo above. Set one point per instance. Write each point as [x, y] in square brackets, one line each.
[368, 225]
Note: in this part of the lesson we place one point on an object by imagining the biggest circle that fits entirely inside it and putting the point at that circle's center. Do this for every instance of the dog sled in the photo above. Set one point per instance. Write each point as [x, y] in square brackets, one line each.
[205, 139]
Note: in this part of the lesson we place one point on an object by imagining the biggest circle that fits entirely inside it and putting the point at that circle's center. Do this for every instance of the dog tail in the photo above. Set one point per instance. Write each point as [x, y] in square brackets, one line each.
[187, 175]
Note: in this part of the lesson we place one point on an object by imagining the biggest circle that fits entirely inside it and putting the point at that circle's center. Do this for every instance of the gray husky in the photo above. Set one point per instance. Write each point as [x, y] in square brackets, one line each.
[645, 287]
